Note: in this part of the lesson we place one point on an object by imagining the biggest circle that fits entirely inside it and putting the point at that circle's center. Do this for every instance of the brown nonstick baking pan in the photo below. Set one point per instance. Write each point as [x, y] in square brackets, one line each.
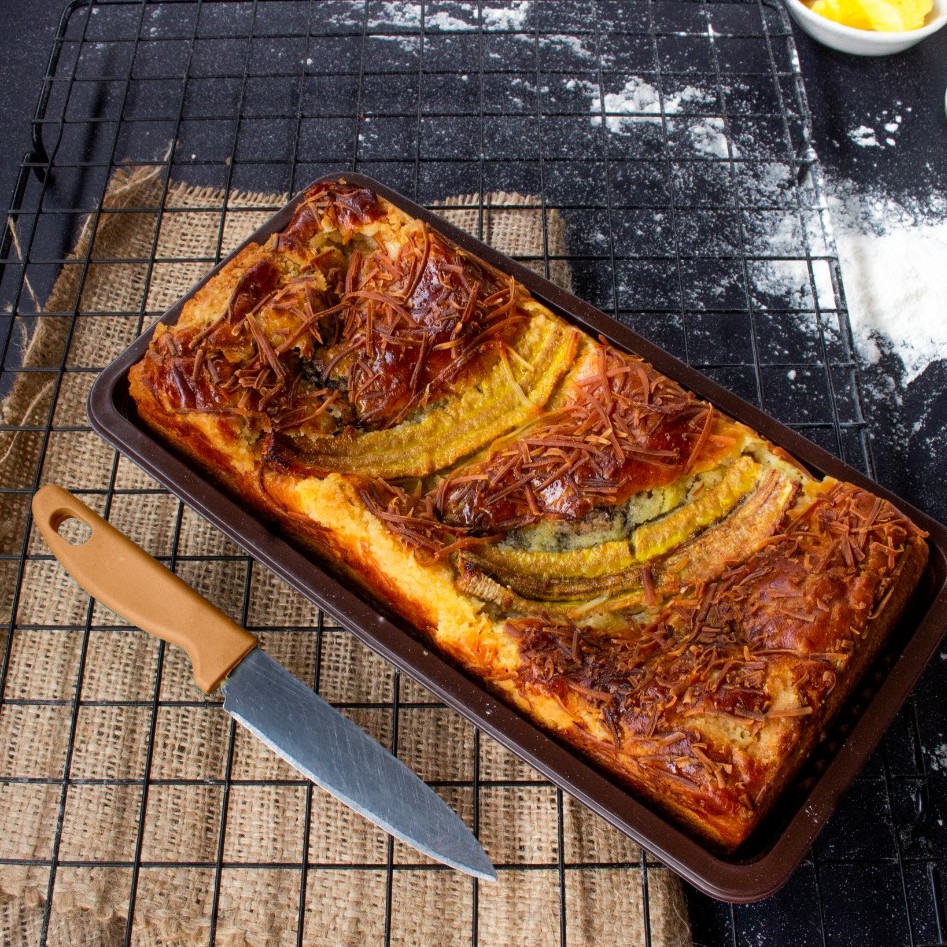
[768, 858]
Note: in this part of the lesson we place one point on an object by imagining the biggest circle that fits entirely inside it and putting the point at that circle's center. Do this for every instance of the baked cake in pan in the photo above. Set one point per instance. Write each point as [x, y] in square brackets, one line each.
[649, 580]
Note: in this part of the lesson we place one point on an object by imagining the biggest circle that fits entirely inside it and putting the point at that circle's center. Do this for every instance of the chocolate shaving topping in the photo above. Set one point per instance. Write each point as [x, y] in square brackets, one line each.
[715, 654]
[627, 429]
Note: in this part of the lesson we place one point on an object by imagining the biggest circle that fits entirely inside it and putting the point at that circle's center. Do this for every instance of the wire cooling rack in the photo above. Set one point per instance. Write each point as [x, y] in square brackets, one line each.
[672, 138]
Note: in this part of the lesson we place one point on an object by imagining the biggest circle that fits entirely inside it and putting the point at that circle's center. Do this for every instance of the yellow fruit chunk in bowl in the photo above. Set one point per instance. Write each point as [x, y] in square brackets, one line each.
[887, 16]
[869, 27]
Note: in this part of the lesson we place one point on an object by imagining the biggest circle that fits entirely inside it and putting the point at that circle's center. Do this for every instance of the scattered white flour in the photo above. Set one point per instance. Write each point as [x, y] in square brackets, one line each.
[574, 43]
[404, 14]
[938, 757]
[884, 126]
[442, 20]
[864, 137]
[780, 283]
[892, 259]
[708, 137]
[777, 234]
[398, 13]
[512, 16]
[154, 14]
[640, 97]
[636, 97]
[639, 100]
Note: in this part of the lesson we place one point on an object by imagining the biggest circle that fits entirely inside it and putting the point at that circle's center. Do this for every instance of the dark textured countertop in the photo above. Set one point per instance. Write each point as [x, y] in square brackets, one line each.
[844, 92]
[910, 453]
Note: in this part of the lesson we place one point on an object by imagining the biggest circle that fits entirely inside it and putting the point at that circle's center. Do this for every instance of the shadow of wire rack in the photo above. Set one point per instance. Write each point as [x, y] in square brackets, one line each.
[672, 138]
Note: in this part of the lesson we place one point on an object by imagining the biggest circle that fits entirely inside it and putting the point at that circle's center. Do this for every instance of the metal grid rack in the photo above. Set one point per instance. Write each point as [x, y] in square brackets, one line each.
[672, 139]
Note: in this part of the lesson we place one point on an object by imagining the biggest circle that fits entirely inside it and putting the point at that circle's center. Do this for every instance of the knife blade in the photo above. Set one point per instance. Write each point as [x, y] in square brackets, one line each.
[262, 695]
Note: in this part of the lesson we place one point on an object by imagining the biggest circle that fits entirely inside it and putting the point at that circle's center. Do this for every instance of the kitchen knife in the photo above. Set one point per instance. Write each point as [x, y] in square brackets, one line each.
[260, 693]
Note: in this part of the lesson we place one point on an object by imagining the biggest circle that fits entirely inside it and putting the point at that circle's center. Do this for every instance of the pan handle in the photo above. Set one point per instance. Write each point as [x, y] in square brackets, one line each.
[121, 575]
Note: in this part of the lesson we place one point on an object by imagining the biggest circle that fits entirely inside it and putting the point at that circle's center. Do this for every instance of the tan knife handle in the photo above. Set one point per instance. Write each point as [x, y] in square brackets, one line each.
[121, 575]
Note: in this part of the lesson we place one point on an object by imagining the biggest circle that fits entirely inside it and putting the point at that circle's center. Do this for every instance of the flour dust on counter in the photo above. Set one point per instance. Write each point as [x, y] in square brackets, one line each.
[891, 252]
[639, 101]
[937, 757]
[460, 17]
[864, 137]
[882, 131]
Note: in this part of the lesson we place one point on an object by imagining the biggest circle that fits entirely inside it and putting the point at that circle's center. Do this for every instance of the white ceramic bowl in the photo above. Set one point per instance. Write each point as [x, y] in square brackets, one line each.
[847, 39]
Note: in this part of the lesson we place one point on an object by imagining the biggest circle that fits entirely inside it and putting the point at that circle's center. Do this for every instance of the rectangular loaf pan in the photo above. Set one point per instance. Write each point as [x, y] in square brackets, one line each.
[766, 861]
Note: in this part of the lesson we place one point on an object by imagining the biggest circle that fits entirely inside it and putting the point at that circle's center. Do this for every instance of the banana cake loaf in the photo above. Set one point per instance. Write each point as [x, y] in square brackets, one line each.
[644, 577]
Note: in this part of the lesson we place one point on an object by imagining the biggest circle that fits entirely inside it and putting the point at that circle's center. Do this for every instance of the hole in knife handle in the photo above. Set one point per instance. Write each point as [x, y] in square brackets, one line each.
[76, 532]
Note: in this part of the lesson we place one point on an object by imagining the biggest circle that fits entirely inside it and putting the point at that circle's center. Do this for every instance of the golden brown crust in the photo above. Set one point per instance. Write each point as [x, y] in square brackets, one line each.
[798, 619]
[212, 457]
[646, 578]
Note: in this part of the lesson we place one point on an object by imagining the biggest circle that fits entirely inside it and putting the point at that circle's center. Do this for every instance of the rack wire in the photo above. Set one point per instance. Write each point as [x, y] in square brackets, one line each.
[673, 138]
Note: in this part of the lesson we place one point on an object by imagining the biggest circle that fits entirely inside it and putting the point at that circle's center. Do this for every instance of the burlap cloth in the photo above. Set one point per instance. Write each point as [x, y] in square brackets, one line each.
[189, 810]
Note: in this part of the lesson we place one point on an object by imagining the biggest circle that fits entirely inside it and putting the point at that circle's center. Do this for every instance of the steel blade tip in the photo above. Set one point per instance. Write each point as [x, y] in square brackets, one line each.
[483, 870]
[471, 859]
[323, 745]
